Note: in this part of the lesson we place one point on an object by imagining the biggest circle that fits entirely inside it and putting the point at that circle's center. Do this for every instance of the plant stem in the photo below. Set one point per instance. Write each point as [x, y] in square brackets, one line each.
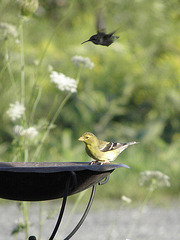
[43, 55]
[26, 220]
[114, 221]
[26, 151]
[8, 64]
[37, 152]
[148, 195]
[35, 105]
[52, 36]
[52, 107]
[22, 62]
[40, 220]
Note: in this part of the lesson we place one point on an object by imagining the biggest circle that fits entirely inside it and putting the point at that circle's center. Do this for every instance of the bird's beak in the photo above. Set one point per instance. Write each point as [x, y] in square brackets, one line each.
[81, 139]
[85, 41]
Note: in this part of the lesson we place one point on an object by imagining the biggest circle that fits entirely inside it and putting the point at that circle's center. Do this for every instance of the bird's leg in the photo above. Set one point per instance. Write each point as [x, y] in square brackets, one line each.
[104, 162]
[99, 162]
[93, 162]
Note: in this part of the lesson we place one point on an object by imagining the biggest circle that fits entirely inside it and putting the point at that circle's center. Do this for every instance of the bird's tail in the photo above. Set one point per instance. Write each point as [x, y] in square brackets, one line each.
[125, 145]
[131, 143]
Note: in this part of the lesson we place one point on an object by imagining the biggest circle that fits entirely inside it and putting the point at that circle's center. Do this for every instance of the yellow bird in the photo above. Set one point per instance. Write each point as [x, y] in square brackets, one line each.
[102, 151]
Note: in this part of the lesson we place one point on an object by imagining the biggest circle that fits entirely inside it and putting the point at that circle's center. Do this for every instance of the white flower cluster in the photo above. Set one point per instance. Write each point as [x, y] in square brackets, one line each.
[15, 111]
[29, 133]
[126, 199]
[63, 82]
[154, 179]
[85, 61]
[8, 29]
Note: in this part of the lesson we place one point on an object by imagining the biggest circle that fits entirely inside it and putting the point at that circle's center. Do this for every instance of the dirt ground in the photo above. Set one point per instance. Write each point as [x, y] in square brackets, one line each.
[102, 223]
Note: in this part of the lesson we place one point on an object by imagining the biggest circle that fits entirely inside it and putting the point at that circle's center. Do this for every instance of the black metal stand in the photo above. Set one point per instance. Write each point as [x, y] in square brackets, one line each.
[40, 181]
[67, 188]
[61, 210]
[85, 213]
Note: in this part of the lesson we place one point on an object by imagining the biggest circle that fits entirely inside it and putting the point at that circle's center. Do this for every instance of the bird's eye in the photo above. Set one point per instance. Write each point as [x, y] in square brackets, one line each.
[86, 137]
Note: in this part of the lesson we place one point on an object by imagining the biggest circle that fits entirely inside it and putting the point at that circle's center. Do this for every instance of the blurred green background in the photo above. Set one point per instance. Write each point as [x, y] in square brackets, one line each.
[131, 94]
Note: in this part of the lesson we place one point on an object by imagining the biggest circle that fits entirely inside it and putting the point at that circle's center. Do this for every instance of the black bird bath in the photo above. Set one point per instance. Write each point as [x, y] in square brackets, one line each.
[39, 181]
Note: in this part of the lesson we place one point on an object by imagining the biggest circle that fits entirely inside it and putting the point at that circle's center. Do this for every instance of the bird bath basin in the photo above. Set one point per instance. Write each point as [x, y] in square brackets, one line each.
[39, 181]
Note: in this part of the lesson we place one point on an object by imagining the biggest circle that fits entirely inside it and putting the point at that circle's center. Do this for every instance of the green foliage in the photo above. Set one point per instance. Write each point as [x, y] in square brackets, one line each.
[132, 93]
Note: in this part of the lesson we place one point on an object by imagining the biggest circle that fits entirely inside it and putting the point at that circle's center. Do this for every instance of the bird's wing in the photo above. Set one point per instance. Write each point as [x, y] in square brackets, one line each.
[111, 33]
[108, 146]
[100, 23]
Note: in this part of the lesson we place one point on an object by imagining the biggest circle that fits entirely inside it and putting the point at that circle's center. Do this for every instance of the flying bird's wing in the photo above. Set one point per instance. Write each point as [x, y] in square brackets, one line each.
[111, 33]
[100, 25]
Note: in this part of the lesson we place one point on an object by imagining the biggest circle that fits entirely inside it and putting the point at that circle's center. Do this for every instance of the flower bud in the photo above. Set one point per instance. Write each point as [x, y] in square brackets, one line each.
[28, 7]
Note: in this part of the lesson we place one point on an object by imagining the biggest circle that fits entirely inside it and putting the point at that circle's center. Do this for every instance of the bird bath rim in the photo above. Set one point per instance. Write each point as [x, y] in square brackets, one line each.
[39, 181]
[57, 166]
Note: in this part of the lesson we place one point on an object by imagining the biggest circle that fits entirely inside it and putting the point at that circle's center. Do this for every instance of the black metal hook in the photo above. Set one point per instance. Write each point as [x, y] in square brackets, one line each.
[104, 181]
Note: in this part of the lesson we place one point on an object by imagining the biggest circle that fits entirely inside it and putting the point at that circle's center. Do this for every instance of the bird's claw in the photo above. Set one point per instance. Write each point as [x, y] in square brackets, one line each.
[93, 162]
[98, 162]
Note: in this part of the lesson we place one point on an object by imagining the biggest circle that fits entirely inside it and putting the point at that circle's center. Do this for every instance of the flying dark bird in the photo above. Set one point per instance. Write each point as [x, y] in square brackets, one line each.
[102, 38]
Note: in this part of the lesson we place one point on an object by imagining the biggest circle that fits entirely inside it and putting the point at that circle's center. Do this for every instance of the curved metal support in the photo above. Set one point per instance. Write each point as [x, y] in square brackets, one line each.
[62, 209]
[104, 181]
[67, 188]
[85, 213]
[70, 185]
